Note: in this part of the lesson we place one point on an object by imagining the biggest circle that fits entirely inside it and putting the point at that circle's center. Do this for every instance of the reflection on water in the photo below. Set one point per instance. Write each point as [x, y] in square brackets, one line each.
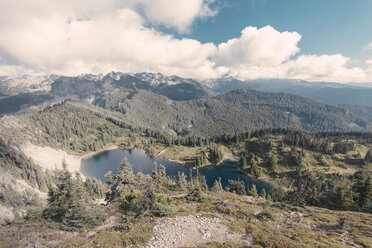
[99, 164]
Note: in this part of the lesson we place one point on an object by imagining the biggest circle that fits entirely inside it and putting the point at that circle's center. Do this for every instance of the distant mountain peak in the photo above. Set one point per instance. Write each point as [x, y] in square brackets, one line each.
[27, 84]
[94, 77]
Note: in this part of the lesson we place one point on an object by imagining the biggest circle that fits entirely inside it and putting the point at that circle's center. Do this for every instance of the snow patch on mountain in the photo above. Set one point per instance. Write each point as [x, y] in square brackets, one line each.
[27, 84]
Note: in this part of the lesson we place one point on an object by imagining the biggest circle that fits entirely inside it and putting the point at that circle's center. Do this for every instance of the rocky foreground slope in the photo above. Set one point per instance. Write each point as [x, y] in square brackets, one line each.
[225, 220]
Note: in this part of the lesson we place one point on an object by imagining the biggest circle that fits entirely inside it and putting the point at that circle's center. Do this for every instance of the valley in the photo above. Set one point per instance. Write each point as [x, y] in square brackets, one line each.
[313, 159]
[185, 124]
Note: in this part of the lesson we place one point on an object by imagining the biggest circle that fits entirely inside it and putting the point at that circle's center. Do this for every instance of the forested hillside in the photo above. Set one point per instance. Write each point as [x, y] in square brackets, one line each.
[73, 126]
[21, 184]
[359, 110]
[332, 93]
[306, 169]
[236, 111]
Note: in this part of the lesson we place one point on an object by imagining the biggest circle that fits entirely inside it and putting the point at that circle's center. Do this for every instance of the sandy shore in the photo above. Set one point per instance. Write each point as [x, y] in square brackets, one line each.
[51, 159]
[231, 157]
[96, 152]
[176, 161]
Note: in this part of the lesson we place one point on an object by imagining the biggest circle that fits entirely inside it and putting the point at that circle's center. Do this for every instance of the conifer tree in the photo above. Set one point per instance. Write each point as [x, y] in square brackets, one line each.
[268, 197]
[263, 193]
[162, 172]
[73, 219]
[365, 193]
[253, 190]
[244, 162]
[70, 203]
[123, 177]
[217, 186]
[203, 183]
[154, 172]
[237, 187]
[368, 158]
[273, 163]
[181, 180]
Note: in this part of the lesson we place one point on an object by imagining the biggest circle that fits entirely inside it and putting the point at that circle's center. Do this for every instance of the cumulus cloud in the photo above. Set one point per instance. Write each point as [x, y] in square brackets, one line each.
[109, 40]
[15, 70]
[369, 62]
[258, 47]
[368, 46]
[369, 66]
[324, 67]
[98, 36]
[178, 14]
[268, 53]
[329, 68]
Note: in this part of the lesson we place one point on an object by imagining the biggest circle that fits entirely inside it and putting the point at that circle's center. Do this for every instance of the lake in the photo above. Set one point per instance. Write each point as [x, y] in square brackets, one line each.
[99, 164]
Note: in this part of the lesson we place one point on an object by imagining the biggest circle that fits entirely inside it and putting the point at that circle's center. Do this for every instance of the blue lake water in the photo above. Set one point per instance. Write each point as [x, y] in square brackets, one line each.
[99, 164]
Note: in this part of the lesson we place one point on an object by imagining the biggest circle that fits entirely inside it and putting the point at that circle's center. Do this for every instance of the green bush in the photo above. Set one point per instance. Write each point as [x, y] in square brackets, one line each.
[131, 199]
[237, 187]
[161, 210]
[196, 195]
[265, 215]
[34, 213]
[97, 215]
[163, 199]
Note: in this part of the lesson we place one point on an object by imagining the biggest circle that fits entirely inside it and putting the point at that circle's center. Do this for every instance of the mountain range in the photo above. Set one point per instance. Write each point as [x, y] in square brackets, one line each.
[51, 123]
[332, 93]
[187, 107]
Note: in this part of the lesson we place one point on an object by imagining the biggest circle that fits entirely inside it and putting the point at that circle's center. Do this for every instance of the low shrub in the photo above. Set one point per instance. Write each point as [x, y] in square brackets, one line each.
[196, 195]
[161, 209]
[265, 215]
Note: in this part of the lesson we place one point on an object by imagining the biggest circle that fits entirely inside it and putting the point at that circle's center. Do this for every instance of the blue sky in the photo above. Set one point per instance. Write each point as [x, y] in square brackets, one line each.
[326, 26]
[314, 40]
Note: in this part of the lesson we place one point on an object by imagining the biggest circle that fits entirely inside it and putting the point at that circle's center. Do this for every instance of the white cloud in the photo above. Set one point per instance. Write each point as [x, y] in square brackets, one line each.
[116, 40]
[258, 47]
[369, 66]
[368, 46]
[324, 68]
[15, 70]
[268, 53]
[178, 14]
[329, 68]
[98, 36]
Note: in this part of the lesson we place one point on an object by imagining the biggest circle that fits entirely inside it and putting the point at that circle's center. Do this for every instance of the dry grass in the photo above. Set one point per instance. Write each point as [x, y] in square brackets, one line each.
[292, 227]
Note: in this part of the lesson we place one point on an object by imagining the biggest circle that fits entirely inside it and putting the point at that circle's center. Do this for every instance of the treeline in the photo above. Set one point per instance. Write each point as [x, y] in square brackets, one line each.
[19, 166]
[83, 128]
[333, 191]
[293, 137]
[234, 112]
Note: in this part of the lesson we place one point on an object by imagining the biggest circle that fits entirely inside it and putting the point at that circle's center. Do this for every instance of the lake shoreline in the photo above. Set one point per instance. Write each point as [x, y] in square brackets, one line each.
[91, 154]
[268, 180]
[227, 157]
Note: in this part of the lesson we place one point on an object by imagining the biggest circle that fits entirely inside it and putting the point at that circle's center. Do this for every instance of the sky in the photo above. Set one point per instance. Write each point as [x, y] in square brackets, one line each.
[317, 40]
